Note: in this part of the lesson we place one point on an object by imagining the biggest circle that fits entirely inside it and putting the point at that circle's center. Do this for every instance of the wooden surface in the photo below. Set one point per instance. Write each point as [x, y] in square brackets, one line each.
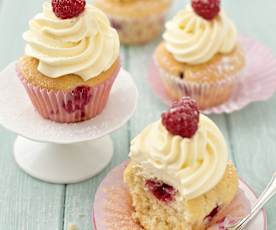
[29, 204]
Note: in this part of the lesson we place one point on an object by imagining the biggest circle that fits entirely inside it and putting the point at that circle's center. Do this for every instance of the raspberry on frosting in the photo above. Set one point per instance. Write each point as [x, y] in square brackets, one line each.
[182, 118]
[66, 9]
[207, 9]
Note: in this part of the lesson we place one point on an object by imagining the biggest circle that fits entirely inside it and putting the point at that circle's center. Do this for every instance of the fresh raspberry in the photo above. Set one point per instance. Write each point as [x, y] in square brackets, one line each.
[182, 118]
[66, 9]
[207, 9]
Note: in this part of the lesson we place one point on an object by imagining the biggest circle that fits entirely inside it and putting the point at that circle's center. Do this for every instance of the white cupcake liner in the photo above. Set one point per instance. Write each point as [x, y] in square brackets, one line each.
[136, 23]
[257, 81]
[206, 95]
[138, 30]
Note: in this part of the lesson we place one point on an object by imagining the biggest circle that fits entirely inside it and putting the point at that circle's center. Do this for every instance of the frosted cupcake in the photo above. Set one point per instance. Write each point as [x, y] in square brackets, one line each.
[71, 61]
[200, 55]
[179, 175]
[137, 21]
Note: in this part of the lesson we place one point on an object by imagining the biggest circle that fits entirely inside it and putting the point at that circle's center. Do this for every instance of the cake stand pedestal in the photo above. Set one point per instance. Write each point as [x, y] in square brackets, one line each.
[59, 163]
[63, 153]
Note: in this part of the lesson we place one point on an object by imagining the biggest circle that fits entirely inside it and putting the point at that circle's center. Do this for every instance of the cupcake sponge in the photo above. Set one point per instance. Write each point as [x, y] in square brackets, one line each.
[28, 67]
[181, 214]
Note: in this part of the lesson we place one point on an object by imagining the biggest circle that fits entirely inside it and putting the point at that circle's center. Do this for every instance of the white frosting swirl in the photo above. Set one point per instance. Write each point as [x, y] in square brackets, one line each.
[85, 45]
[192, 166]
[194, 40]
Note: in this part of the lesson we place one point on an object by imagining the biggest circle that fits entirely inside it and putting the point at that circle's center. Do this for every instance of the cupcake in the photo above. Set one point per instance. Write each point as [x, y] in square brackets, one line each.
[200, 56]
[71, 61]
[179, 175]
[137, 21]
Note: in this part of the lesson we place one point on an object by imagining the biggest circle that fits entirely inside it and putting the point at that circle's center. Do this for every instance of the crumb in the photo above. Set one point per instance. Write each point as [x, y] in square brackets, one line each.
[72, 227]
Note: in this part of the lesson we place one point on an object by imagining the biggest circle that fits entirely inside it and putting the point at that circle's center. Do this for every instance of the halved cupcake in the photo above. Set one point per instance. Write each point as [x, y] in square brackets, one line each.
[179, 175]
[71, 61]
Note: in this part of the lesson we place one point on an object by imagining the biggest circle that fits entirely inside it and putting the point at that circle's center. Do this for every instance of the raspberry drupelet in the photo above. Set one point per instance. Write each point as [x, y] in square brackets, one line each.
[182, 118]
[207, 9]
[66, 9]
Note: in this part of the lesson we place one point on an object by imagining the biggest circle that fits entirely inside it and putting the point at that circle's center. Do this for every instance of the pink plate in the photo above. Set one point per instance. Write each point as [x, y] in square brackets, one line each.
[258, 84]
[112, 205]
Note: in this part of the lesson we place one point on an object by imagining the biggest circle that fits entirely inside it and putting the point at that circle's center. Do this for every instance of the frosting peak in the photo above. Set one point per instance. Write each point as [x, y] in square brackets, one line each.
[194, 40]
[85, 45]
[193, 166]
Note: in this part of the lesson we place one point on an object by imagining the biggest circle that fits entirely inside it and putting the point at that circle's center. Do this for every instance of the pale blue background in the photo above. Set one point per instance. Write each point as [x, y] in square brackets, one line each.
[29, 204]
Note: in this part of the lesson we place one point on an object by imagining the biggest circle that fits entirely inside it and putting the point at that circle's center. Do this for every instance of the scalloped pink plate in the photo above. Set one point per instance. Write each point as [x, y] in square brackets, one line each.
[258, 84]
[112, 205]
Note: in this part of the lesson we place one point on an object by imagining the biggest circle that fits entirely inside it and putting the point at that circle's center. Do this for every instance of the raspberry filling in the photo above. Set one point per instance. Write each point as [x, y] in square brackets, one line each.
[80, 98]
[161, 191]
[212, 214]
[116, 25]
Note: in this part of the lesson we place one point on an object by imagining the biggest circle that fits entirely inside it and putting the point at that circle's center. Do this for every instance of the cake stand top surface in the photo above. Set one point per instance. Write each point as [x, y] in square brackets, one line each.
[18, 115]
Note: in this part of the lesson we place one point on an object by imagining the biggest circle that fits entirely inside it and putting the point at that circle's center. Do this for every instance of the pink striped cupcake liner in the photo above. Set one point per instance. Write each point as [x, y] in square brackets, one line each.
[68, 106]
[113, 206]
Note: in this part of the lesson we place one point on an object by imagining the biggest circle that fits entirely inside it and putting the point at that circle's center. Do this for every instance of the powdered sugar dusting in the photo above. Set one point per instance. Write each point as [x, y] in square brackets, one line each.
[113, 209]
[18, 114]
[119, 214]
[258, 79]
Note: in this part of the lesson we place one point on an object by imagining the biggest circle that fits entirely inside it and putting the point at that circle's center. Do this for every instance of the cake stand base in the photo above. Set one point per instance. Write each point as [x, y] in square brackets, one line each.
[63, 163]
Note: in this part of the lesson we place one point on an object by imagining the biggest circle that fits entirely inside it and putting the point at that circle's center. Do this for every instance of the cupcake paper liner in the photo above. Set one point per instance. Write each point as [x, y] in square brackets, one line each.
[206, 95]
[256, 83]
[113, 208]
[67, 106]
[138, 30]
[136, 22]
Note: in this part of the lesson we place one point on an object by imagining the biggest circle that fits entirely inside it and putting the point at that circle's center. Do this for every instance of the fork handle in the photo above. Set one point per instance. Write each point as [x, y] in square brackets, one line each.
[266, 195]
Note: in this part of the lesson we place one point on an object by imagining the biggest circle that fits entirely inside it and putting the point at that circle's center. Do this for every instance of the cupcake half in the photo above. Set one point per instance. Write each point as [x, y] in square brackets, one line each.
[200, 56]
[71, 61]
[137, 21]
[179, 175]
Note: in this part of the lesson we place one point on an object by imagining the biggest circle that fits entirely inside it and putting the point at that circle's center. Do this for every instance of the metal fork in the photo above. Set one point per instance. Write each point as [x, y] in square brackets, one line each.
[267, 194]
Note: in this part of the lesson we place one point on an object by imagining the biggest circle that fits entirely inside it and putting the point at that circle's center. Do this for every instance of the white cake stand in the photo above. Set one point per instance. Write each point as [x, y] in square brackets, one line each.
[63, 153]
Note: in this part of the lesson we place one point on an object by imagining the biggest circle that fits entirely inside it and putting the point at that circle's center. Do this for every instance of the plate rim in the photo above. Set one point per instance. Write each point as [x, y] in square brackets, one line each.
[264, 214]
[123, 163]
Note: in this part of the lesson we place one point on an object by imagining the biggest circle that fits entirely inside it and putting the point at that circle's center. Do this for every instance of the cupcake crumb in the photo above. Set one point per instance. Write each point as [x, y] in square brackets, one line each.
[72, 227]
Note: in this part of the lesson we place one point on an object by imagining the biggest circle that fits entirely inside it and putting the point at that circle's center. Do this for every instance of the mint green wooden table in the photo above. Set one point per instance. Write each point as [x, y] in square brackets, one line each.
[29, 204]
